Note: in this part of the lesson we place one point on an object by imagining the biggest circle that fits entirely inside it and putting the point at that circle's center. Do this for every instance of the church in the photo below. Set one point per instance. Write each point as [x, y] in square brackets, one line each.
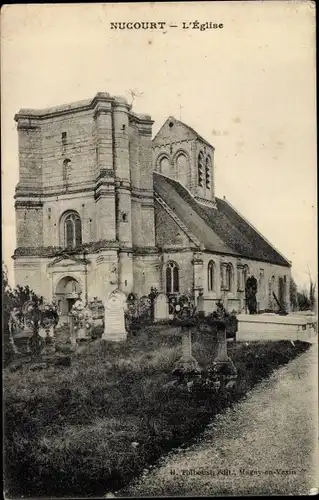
[100, 205]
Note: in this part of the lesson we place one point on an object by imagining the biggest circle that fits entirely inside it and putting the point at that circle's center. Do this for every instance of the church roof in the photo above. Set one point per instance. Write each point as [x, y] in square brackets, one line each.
[222, 229]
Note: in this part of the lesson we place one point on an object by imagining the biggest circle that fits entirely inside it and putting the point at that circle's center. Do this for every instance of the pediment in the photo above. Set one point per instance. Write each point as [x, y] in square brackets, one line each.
[171, 129]
[67, 260]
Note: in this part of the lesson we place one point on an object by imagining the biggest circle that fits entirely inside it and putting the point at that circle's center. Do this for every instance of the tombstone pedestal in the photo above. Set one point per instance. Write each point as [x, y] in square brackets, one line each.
[118, 337]
[223, 369]
[83, 334]
[49, 347]
[187, 364]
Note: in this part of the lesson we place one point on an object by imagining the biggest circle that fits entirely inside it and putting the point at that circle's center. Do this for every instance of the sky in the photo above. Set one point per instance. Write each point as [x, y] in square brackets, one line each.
[248, 88]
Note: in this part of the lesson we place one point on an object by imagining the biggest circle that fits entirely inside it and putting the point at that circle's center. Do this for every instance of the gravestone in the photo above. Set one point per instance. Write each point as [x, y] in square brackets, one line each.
[82, 323]
[114, 323]
[187, 365]
[49, 319]
[160, 307]
[144, 308]
[132, 306]
[85, 324]
[223, 371]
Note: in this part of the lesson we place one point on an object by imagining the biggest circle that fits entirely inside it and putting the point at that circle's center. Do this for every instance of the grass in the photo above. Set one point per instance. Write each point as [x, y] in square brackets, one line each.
[91, 427]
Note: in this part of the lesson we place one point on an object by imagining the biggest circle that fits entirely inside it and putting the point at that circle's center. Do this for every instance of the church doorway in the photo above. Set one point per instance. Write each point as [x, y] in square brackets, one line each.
[68, 290]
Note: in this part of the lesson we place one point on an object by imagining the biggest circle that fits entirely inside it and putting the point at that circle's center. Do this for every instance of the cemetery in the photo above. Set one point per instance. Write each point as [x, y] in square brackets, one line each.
[89, 405]
[155, 305]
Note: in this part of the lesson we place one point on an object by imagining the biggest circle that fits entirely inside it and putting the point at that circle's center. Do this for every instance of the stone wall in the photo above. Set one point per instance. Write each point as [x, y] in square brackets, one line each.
[146, 273]
[30, 153]
[236, 295]
[170, 151]
[168, 232]
[29, 271]
[173, 141]
[29, 225]
[184, 261]
[80, 157]
[84, 205]
[77, 144]
[43, 275]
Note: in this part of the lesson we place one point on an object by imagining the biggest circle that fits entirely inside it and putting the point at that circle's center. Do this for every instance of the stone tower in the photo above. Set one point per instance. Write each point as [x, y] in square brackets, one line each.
[85, 184]
[181, 153]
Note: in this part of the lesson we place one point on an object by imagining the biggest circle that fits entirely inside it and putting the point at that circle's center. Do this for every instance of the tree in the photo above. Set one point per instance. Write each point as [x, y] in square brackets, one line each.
[303, 301]
[293, 295]
[312, 292]
[16, 297]
[134, 95]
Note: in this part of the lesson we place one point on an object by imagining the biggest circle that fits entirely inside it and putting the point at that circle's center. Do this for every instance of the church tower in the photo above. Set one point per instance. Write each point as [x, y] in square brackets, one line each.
[84, 201]
[181, 153]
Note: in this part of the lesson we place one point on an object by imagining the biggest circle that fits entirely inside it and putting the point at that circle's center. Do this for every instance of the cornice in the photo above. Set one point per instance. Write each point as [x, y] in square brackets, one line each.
[94, 189]
[185, 249]
[103, 98]
[50, 251]
[140, 119]
[163, 144]
[204, 201]
[105, 178]
[145, 250]
[28, 204]
[105, 173]
[93, 247]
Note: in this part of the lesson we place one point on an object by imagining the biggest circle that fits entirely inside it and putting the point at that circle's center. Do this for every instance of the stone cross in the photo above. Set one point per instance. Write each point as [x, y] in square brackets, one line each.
[72, 330]
[223, 366]
[180, 111]
[187, 365]
[187, 345]
[221, 346]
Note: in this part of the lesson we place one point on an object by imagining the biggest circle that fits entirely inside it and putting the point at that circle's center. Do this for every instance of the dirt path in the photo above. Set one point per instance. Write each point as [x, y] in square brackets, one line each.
[265, 445]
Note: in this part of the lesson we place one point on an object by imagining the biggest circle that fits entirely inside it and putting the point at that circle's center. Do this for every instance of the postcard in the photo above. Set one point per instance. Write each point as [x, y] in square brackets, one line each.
[159, 249]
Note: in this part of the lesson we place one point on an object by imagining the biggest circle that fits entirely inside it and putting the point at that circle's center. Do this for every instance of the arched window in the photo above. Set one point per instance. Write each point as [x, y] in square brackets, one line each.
[211, 276]
[172, 278]
[182, 169]
[229, 277]
[201, 169]
[208, 170]
[72, 230]
[164, 166]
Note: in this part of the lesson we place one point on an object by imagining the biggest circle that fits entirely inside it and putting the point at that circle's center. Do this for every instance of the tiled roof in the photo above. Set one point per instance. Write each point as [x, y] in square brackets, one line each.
[220, 229]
